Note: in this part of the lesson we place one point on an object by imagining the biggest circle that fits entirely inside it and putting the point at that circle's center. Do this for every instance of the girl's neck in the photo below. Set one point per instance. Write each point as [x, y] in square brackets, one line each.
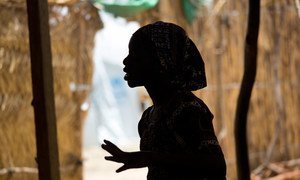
[161, 93]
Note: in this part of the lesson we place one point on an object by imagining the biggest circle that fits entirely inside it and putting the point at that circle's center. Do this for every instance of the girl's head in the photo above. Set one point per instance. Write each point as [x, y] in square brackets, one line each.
[163, 51]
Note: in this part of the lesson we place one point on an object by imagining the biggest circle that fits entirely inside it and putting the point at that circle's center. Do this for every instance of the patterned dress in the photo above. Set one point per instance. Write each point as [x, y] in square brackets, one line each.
[183, 125]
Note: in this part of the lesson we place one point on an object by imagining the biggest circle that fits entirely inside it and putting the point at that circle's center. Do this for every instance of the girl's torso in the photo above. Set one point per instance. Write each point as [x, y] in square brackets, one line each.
[181, 125]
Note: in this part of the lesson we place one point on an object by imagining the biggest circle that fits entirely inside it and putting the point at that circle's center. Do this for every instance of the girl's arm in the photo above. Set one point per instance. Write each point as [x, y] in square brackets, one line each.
[205, 162]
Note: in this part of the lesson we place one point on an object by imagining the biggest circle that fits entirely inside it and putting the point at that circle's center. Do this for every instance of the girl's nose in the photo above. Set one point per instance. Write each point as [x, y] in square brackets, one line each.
[125, 61]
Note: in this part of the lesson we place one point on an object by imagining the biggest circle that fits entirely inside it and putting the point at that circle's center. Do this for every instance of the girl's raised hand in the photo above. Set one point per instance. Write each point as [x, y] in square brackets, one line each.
[130, 159]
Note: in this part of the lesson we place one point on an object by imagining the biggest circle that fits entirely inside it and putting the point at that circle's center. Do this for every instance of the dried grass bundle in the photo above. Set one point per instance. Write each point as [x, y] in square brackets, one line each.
[72, 28]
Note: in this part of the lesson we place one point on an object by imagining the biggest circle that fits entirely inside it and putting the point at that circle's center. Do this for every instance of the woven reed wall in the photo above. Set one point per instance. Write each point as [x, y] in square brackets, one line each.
[72, 29]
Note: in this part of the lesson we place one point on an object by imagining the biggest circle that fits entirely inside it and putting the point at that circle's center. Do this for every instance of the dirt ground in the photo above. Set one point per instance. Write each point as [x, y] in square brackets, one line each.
[97, 168]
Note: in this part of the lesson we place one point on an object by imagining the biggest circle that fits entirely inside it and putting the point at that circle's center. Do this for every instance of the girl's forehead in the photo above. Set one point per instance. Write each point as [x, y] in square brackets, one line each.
[137, 41]
[137, 36]
[133, 41]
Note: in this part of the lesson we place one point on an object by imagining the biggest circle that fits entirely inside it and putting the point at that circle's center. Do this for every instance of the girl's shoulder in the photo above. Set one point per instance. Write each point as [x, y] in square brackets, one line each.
[188, 102]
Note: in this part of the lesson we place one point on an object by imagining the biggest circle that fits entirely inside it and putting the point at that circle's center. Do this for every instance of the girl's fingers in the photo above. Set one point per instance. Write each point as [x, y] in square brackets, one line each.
[117, 155]
[112, 158]
[122, 168]
[111, 144]
[108, 149]
[105, 147]
[111, 149]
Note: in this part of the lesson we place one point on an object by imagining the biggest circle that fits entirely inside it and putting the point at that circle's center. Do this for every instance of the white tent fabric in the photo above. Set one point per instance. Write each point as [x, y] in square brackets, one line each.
[114, 110]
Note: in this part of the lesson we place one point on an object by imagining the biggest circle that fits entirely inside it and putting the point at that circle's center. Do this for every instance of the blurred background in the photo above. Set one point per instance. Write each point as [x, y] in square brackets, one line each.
[89, 41]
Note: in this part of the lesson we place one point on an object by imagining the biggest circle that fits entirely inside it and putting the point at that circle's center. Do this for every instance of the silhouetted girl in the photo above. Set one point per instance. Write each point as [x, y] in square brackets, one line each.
[177, 135]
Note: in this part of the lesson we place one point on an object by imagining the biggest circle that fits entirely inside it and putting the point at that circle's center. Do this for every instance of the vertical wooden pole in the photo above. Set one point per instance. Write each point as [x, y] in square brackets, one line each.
[42, 87]
[250, 63]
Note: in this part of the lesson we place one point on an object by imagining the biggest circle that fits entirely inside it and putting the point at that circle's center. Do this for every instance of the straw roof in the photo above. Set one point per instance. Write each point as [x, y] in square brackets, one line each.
[72, 29]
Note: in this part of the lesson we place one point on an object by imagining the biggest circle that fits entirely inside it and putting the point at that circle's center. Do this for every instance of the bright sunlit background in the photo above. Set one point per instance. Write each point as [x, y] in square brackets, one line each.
[89, 40]
[115, 109]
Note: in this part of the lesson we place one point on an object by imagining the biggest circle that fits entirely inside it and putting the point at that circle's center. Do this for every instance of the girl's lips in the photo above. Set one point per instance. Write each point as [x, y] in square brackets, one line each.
[126, 77]
[125, 69]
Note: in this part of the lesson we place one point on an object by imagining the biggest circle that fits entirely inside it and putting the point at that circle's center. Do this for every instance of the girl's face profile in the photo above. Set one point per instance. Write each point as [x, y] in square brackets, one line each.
[139, 66]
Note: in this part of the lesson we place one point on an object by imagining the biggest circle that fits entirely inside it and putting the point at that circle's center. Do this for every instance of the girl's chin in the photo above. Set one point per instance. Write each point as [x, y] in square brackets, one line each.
[133, 84]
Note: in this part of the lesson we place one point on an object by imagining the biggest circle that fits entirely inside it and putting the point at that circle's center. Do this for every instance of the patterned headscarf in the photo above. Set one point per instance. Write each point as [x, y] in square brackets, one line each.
[179, 57]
